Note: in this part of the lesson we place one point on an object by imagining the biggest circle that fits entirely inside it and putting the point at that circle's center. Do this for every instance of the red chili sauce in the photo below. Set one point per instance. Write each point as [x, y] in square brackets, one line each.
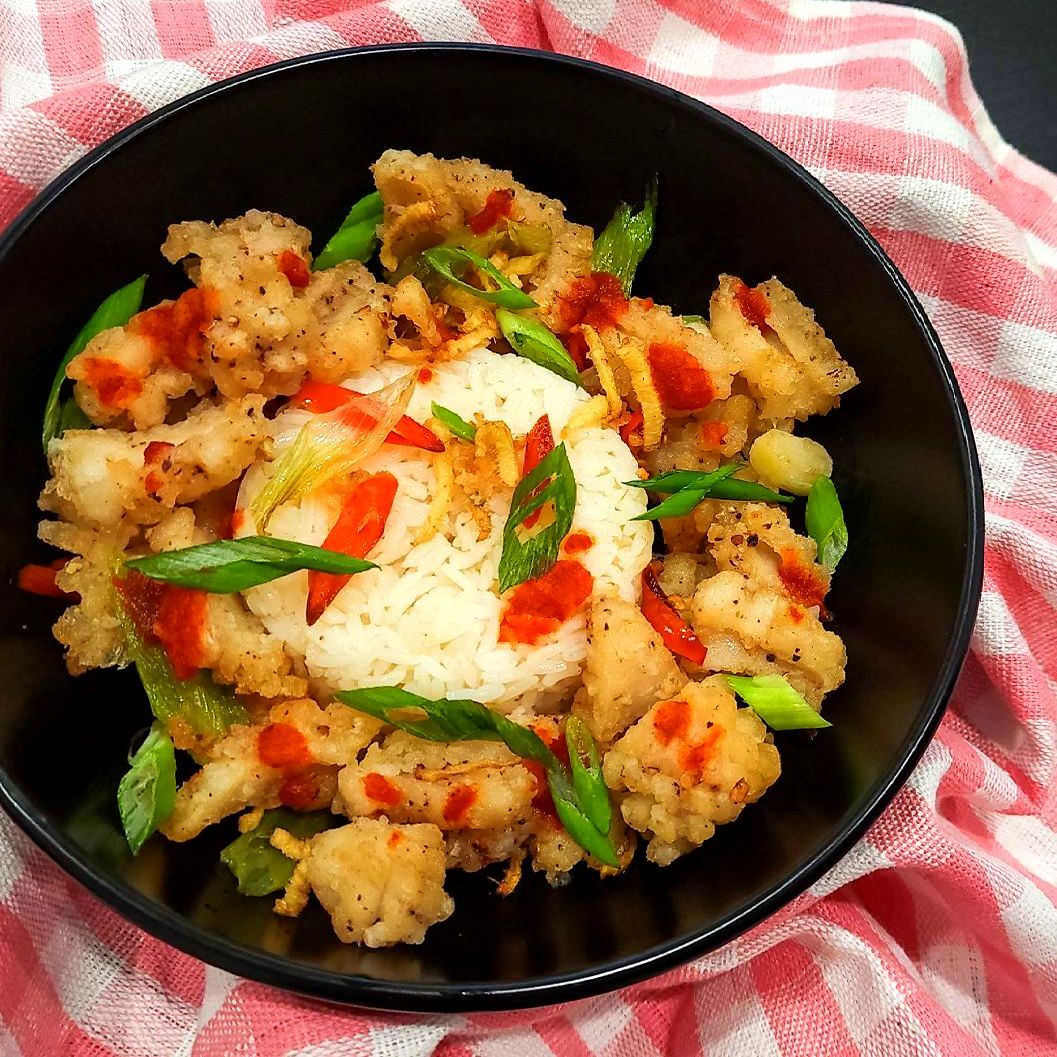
[682, 383]
[596, 299]
[458, 803]
[155, 457]
[671, 722]
[379, 789]
[714, 434]
[578, 542]
[284, 746]
[753, 305]
[498, 204]
[295, 268]
[114, 385]
[539, 607]
[177, 329]
[802, 583]
[175, 617]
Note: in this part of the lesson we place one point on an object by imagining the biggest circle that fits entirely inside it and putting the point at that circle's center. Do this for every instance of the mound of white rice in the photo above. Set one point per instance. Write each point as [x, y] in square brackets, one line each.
[428, 618]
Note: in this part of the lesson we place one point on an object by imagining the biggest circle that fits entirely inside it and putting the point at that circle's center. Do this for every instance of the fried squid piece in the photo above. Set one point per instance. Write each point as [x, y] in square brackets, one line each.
[428, 200]
[455, 785]
[792, 369]
[274, 319]
[256, 321]
[239, 651]
[757, 630]
[351, 315]
[110, 479]
[292, 758]
[89, 628]
[757, 540]
[627, 668]
[380, 883]
[690, 764]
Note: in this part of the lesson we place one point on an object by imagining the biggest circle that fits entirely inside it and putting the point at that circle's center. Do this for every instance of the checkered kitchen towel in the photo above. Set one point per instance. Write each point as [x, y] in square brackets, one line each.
[938, 933]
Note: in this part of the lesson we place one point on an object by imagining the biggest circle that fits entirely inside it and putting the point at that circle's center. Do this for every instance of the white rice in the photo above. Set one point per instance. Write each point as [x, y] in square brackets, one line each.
[428, 618]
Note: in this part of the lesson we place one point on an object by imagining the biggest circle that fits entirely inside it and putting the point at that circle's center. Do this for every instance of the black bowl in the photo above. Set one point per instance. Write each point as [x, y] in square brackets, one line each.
[297, 138]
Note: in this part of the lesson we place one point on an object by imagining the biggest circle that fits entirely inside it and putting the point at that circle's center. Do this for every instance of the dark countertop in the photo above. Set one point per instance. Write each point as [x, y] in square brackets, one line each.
[1012, 47]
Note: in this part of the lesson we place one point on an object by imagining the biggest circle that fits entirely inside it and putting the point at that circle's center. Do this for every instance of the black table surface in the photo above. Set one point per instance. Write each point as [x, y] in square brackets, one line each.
[1012, 47]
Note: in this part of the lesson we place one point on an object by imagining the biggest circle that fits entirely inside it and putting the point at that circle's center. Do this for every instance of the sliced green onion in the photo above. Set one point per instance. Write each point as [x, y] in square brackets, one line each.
[71, 417]
[693, 318]
[225, 566]
[261, 869]
[472, 721]
[115, 311]
[825, 522]
[332, 444]
[457, 425]
[526, 559]
[587, 777]
[529, 239]
[626, 238]
[146, 794]
[205, 708]
[676, 480]
[530, 338]
[734, 488]
[776, 702]
[678, 505]
[688, 488]
[357, 237]
[517, 238]
[444, 259]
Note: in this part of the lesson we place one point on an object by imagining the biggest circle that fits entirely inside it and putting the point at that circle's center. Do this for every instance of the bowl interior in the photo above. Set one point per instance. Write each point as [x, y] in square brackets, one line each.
[298, 141]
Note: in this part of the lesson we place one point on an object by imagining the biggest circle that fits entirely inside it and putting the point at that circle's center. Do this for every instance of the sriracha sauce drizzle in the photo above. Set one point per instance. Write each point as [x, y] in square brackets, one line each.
[682, 383]
[498, 204]
[538, 607]
[175, 617]
[753, 305]
[596, 299]
[295, 268]
[177, 329]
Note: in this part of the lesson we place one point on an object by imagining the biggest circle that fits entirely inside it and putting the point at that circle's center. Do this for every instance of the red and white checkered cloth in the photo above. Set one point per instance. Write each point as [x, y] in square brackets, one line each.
[938, 934]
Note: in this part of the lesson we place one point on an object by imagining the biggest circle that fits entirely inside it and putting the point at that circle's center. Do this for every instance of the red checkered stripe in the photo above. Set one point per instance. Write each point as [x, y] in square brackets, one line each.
[937, 934]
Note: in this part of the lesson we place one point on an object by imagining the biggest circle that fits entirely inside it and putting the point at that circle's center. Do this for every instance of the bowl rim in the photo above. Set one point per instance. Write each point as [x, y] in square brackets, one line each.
[374, 993]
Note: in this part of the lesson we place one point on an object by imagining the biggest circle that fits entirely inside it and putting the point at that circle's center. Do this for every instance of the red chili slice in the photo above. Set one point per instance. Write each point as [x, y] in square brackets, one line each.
[631, 431]
[359, 527]
[40, 580]
[675, 633]
[538, 445]
[321, 397]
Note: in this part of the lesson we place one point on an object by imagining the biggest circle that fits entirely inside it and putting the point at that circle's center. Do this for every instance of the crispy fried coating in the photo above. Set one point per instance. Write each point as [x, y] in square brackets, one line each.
[690, 764]
[454, 785]
[257, 322]
[759, 631]
[792, 368]
[109, 479]
[627, 669]
[380, 883]
[234, 777]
